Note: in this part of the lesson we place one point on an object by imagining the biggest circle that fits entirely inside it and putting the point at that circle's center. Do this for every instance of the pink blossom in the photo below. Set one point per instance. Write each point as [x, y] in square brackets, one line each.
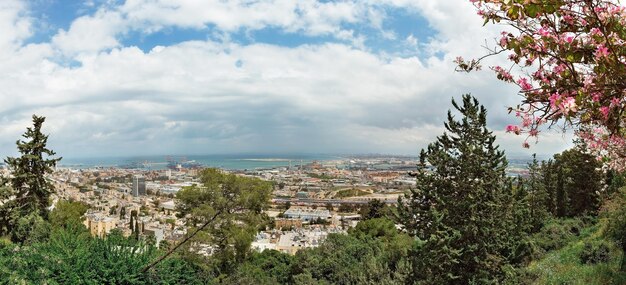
[513, 129]
[596, 97]
[568, 105]
[503, 74]
[523, 83]
[504, 41]
[554, 98]
[615, 101]
[602, 51]
[544, 32]
[595, 32]
[605, 112]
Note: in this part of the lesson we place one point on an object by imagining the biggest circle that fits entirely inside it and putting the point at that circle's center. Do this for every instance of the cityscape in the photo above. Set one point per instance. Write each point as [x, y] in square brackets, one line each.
[313, 142]
[309, 201]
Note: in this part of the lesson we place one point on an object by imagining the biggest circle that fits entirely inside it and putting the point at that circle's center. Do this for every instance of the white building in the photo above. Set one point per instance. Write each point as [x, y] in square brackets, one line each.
[307, 214]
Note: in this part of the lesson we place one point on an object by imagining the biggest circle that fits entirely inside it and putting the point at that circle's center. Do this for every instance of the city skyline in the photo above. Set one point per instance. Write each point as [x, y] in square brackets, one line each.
[124, 78]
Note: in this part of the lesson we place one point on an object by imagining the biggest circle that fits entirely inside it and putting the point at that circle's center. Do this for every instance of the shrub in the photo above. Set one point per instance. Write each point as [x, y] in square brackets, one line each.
[594, 253]
[557, 233]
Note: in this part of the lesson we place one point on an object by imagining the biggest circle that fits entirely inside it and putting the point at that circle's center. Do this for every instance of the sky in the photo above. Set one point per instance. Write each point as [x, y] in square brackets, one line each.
[156, 77]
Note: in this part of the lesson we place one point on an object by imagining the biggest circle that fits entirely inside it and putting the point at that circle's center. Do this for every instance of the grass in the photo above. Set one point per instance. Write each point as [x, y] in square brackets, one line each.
[350, 193]
[563, 266]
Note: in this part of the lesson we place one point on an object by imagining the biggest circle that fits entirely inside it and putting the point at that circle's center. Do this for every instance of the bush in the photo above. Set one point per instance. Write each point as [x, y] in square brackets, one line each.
[615, 211]
[557, 233]
[594, 253]
[30, 229]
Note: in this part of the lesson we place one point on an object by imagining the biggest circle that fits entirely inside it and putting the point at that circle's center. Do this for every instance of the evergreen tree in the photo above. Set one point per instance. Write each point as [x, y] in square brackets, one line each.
[132, 223]
[578, 182]
[28, 192]
[374, 209]
[549, 182]
[458, 209]
[536, 195]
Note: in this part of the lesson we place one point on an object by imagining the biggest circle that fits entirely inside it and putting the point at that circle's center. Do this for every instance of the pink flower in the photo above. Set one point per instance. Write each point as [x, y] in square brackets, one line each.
[554, 98]
[605, 112]
[544, 32]
[595, 32]
[615, 101]
[602, 51]
[523, 83]
[525, 145]
[526, 121]
[503, 74]
[513, 129]
[596, 97]
[568, 105]
[569, 39]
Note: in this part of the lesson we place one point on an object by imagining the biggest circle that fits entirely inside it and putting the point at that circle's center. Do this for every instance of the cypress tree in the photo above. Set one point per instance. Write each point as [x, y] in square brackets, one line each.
[458, 210]
[132, 223]
[28, 191]
[537, 195]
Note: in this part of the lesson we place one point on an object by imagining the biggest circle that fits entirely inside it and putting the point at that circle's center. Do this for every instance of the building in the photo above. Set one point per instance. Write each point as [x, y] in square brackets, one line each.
[157, 233]
[139, 186]
[307, 214]
[288, 223]
[99, 226]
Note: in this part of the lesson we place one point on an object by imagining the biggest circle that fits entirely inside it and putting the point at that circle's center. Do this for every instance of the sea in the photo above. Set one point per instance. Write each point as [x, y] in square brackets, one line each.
[245, 161]
[230, 162]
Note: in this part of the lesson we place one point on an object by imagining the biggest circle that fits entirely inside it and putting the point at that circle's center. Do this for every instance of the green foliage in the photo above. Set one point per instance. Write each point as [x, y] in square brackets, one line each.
[236, 204]
[345, 259]
[29, 190]
[564, 265]
[267, 267]
[536, 195]
[72, 256]
[615, 212]
[374, 252]
[460, 208]
[579, 180]
[353, 192]
[593, 253]
[67, 212]
[30, 229]
[320, 176]
[374, 209]
[557, 233]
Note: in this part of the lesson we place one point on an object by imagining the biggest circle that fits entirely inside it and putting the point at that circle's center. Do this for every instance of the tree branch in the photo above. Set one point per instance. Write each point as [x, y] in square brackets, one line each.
[169, 252]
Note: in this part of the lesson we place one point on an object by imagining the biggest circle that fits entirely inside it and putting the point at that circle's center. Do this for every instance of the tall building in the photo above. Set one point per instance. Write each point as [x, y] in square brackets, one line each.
[139, 186]
[99, 226]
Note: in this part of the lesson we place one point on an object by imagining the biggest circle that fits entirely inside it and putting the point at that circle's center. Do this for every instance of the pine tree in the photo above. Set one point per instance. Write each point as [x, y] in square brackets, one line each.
[549, 182]
[28, 192]
[132, 222]
[459, 206]
[581, 182]
[536, 194]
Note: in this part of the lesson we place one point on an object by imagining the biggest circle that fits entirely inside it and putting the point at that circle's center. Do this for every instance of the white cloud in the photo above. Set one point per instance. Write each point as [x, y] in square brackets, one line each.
[211, 96]
[15, 26]
[90, 33]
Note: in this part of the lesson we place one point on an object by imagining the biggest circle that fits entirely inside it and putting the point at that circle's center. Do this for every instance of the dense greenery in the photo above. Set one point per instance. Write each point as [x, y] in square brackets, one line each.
[26, 195]
[460, 212]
